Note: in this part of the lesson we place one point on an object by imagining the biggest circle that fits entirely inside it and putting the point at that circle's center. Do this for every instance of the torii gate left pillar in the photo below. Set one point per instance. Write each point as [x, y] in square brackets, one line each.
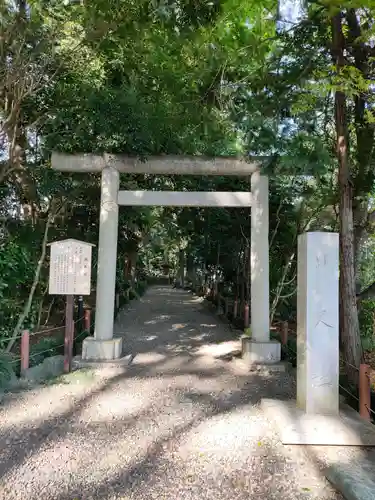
[103, 346]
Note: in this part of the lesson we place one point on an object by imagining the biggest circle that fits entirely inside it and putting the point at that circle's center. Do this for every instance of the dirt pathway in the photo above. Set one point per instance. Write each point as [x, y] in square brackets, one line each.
[178, 423]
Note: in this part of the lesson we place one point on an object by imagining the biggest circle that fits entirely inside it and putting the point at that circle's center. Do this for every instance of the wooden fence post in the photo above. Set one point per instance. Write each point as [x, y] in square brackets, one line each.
[246, 319]
[284, 332]
[218, 303]
[364, 392]
[87, 320]
[226, 307]
[235, 309]
[25, 351]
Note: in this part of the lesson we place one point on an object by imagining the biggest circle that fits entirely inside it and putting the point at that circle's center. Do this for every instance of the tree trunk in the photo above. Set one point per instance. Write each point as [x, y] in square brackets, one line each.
[349, 326]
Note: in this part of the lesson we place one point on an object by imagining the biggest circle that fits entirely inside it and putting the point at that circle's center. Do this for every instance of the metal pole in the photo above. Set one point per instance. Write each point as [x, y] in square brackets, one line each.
[80, 313]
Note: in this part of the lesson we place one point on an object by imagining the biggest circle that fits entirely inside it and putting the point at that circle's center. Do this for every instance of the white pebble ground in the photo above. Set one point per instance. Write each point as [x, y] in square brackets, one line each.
[177, 424]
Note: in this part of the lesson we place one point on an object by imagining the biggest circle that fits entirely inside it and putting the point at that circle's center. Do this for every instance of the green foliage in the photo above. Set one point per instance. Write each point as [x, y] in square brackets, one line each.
[366, 264]
[46, 348]
[366, 320]
[141, 288]
[247, 332]
[289, 352]
[15, 270]
[7, 368]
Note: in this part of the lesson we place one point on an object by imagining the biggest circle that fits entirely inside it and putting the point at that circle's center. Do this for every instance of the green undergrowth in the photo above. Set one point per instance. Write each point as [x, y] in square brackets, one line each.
[81, 376]
[7, 371]
[46, 348]
[135, 292]
[288, 351]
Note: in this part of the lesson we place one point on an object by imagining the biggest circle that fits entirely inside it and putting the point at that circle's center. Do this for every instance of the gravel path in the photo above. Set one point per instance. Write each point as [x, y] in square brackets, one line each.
[178, 423]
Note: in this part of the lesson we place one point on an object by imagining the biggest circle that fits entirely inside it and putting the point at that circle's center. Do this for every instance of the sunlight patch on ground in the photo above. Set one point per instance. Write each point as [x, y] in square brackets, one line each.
[197, 300]
[82, 376]
[174, 302]
[225, 438]
[178, 326]
[148, 358]
[198, 338]
[193, 300]
[158, 319]
[38, 405]
[149, 338]
[221, 349]
[112, 405]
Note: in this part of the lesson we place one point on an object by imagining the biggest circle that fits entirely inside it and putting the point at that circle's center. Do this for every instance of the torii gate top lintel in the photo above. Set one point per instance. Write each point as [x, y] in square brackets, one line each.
[159, 165]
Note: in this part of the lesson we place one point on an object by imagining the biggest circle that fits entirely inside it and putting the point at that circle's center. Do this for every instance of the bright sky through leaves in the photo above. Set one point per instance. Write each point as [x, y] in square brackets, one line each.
[290, 13]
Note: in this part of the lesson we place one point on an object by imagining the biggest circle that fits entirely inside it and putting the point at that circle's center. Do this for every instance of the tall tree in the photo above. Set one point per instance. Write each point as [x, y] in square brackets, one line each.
[350, 338]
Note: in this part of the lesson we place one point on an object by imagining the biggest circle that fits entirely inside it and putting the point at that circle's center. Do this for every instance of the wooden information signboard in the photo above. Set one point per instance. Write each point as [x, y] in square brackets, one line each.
[70, 268]
[70, 274]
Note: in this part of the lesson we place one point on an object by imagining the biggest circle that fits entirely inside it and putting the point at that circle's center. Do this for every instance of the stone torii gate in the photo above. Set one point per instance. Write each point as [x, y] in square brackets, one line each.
[103, 345]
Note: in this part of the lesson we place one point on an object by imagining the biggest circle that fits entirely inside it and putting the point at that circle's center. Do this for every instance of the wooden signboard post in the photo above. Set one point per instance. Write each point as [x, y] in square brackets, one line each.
[69, 275]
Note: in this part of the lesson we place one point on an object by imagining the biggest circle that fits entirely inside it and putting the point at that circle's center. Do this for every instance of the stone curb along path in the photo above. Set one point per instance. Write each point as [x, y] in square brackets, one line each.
[355, 481]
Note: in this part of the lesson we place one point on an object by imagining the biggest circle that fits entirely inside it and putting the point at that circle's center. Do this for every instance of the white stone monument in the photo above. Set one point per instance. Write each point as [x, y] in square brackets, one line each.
[318, 323]
[315, 419]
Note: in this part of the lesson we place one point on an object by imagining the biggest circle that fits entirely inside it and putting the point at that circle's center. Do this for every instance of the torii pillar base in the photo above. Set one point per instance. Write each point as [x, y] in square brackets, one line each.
[260, 353]
[101, 350]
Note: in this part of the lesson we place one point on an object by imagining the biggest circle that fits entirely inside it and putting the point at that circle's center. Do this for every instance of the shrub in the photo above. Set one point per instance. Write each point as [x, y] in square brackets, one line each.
[7, 368]
[141, 287]
[366, 324]
[45, 348]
